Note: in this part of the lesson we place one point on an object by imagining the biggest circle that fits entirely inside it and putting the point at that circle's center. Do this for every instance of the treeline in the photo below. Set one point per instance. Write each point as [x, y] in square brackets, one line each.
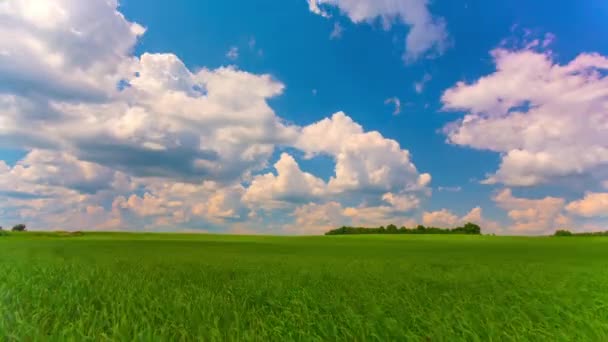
[565, 232]
[469, 228]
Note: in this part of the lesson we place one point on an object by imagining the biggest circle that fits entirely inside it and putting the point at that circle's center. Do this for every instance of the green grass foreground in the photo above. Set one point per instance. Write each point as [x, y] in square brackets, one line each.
[419, 287]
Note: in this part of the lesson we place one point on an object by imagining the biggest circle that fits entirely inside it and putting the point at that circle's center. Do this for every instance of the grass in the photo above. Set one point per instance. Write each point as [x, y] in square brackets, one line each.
[147, 287]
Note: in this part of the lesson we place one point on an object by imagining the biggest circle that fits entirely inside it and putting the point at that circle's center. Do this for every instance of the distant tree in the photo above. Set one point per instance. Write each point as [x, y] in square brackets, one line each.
[472, 228]
[19, 228]
[563, 232]
[391, 229]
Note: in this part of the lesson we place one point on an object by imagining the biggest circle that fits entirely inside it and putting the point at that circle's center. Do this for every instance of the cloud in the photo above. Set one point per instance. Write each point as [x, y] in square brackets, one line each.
[365, 161]
[313, 6]
[547, 120]
[214, 123]
[396, 102]
[233, 53]
[419, 86]
[450, 188]
[336, 33]
[441, 218]
[594, 204]
[427, 34]
[54, 190]
[401, 202]
[290, 185]
[446, 219]
[532, 216]
[315, 218]
[119, 141]
[64, 49]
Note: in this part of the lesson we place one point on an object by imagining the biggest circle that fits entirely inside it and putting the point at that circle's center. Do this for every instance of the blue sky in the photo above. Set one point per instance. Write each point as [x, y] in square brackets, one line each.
[143, 157]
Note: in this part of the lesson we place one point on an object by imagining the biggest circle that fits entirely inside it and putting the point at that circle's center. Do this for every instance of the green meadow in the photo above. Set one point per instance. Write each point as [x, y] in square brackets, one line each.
[146, 287]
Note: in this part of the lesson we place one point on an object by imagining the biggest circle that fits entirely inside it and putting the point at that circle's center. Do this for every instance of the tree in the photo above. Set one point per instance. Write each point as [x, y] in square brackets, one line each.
[563, 232]
[19, 228]
[472, 228]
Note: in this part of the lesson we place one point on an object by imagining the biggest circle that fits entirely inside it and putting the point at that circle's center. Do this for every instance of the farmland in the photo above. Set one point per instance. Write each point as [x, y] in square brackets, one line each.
[179, 287]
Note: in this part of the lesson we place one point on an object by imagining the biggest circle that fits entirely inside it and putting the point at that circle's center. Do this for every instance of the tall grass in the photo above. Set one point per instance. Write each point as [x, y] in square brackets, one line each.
[183, 287]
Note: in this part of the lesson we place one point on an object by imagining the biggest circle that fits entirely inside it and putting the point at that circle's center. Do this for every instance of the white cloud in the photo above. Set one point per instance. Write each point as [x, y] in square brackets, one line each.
[55, 190]
[122, 141]
[446, 219]
[547, 120]
[233, 53]
[427, 34]
[396, 102]
[64, 48]
[313, 6]
[290, 185]
[314, 218]
[365, 161]
[533, 216]
[442, 218]
[401, 202]
[594, 204]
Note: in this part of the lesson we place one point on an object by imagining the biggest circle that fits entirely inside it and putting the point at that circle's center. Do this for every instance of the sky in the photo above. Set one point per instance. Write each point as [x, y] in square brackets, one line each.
[300, 116]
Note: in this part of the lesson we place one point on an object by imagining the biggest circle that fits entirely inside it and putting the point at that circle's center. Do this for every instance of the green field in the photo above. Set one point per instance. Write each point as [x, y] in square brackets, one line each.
[179, 287]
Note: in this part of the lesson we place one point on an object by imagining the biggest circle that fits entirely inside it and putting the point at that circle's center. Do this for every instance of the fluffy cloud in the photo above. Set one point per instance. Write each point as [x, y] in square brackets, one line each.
[55, 190]
[290, 184]
[122, 141]
[533, 216]
[594, 204]
[547, 120]
[427, 34]
[64, 48]
[441, 218]
[445, 218]
[365, 161]
[315, 218]
[148, 116]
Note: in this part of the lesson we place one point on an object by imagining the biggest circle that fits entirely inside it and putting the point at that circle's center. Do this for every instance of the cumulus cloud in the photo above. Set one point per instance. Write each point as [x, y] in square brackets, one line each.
[54, 190]
[64, 48]
[427, 34]
[533, 216]
[119, 141]
[290, 184]
[547, 120]
[444, 218]
[317, 218]
[440, 218]
[594, 204]
[365, 161]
